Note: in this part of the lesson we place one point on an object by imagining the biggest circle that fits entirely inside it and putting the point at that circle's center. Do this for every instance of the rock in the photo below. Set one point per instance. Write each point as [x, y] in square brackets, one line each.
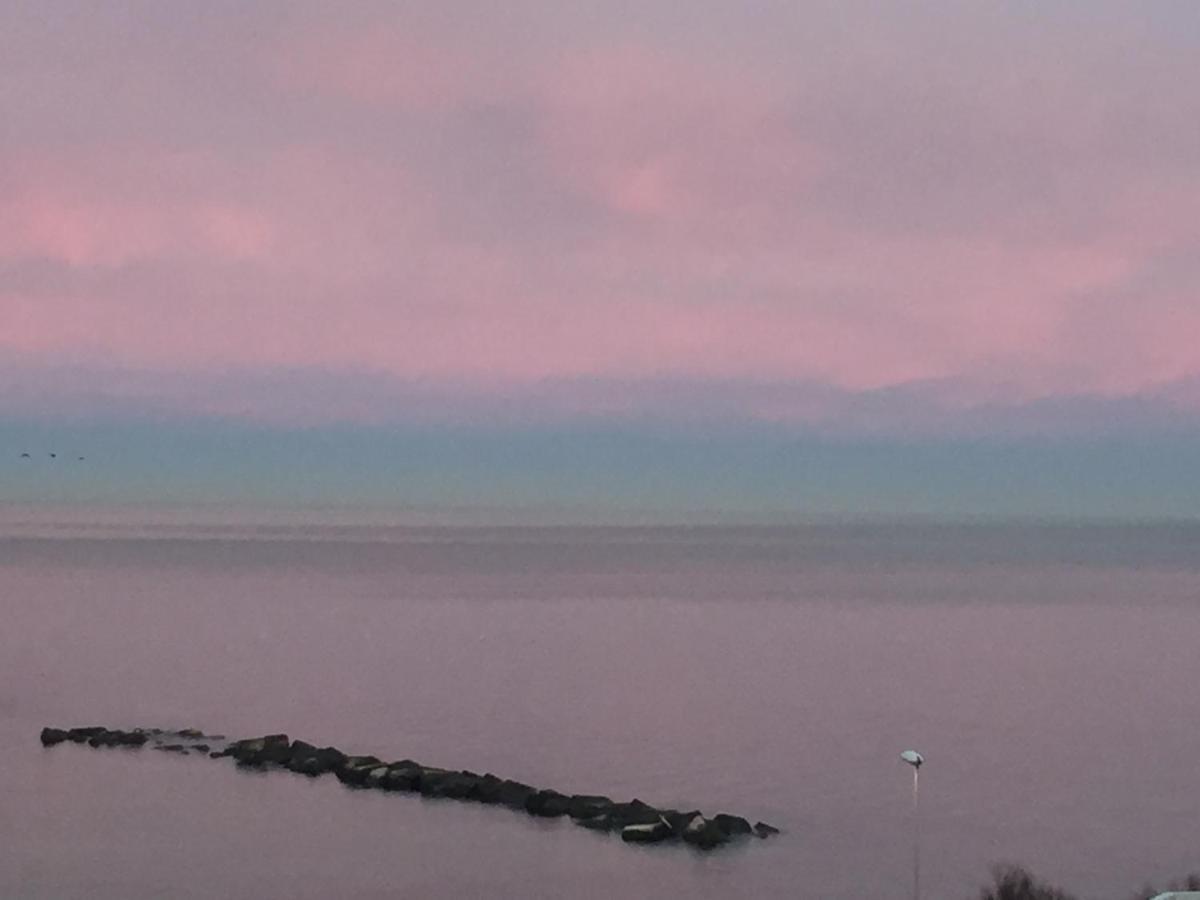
[52, 736]
[763, 830]
[703, 833]
[428, 778]
[549, 804]
[354, 769]
[80, 735]
[402, 776]
[117, 739]
[301, 749]
[635, 812]
[637, 822]
[514, 794]
[678, 820]
[272, 748]
[451, 785]
[650, 833]
[732, 825]
[313, 761]
[588, 806]
[487, 789]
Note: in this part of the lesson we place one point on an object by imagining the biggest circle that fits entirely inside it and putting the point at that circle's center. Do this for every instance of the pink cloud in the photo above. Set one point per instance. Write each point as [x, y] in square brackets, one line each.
[429, 202]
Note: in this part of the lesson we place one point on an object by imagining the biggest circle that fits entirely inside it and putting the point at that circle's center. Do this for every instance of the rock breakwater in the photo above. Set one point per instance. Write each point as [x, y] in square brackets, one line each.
[635, 821]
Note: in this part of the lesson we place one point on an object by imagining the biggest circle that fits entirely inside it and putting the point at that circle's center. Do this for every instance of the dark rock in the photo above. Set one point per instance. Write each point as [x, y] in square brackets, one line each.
[678, 820]
[191, 733]
[117, 739]
[79, 735]
[762, 829]
[635, 812]
[428, 778]
[514, 794]
[314, 761]
[650, 833]
[402, 776]
[52, 736]
[588, 806]
[451, 785]
[703, 833]
[375, 776]
[301, 748]
[272, 748]
[355, 769]
[203, 748]
[549, 804]
[487, 789]
[732, 825]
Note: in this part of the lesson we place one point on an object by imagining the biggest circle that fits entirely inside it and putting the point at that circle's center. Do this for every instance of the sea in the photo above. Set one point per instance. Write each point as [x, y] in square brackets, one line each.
[1049, 672]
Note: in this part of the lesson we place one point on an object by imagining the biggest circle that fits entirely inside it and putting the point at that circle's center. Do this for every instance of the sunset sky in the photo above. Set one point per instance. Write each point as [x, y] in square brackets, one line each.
[757, 256]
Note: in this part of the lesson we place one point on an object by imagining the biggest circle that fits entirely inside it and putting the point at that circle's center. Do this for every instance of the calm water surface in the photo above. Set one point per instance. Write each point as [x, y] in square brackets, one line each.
[1049, 675]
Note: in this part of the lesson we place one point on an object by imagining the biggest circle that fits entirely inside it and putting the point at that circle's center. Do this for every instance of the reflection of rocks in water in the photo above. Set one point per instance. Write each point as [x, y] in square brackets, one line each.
[636, 821]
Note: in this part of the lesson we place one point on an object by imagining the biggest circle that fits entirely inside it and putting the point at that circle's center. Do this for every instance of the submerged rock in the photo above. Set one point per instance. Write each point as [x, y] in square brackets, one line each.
[763, 830]
[94, 737]
[118, 739]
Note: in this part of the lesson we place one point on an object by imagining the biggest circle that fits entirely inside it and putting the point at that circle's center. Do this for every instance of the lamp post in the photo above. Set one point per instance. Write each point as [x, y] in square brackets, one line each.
[916, 760]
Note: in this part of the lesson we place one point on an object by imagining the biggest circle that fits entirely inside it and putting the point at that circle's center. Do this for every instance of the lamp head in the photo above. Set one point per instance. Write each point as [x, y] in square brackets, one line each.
[913, 758]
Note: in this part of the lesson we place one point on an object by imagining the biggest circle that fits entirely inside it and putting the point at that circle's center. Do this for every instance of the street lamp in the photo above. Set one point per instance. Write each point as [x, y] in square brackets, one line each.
[916, 760]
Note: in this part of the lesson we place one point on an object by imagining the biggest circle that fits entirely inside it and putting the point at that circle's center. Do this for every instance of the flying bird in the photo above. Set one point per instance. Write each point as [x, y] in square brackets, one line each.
[26, 456]
[54, 456]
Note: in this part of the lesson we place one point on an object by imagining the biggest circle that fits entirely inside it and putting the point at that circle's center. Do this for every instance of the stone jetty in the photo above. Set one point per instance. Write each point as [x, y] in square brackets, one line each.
[635, 821]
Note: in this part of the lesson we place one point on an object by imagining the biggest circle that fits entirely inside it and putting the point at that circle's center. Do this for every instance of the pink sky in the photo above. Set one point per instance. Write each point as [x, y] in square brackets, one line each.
[992, 199]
